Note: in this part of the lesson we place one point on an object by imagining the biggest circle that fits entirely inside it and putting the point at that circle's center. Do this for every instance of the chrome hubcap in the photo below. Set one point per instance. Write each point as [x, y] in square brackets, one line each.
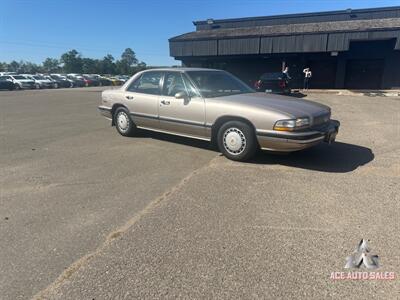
[234, 141]
[123, 121]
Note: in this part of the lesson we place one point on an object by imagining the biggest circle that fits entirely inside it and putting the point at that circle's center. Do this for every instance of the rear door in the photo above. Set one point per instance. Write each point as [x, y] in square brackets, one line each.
[182, 116]
[141, 98]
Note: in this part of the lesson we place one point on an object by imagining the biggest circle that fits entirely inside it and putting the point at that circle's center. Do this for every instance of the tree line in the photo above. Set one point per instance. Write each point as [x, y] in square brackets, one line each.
[73, 62]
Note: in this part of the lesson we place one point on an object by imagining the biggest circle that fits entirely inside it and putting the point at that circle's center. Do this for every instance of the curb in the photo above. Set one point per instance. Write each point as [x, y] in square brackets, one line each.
[368, 93]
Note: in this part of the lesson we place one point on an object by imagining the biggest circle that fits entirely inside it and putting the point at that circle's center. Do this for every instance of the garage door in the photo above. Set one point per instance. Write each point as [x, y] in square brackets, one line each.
[364, 74]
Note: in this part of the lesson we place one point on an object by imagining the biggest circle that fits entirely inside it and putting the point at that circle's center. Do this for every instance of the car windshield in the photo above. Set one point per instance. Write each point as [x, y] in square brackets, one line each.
[213, 84]
[39, 77]
[19, 77]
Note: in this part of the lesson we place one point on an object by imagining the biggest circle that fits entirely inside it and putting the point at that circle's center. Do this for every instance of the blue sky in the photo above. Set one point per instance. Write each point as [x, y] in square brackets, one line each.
[35, 29]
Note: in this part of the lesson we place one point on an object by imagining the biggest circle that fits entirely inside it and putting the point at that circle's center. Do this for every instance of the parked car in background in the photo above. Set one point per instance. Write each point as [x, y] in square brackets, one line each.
[115, 81]
[6, 84]
[273, 82]
[123, 78]
[21, 82]
[7, 73]
[77, 80]
[90, 80]
[214, 105]
[103, 81]
[62, 82]
[42, 82]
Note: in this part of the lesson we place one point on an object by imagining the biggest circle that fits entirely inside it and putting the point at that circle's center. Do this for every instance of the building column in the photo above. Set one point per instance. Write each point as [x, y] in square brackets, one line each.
[340, 71]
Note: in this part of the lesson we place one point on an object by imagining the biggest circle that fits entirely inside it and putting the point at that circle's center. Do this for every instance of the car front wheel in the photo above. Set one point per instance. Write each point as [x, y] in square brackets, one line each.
[123, 122]
[237, 140]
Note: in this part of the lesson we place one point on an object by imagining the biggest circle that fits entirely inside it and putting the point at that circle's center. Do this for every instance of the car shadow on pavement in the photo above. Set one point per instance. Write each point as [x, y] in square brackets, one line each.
[335, 158]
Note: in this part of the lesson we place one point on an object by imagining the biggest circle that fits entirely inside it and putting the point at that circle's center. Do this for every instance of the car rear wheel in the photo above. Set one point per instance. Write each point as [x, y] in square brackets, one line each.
[123, 122]
[17, 87]
[237, 140]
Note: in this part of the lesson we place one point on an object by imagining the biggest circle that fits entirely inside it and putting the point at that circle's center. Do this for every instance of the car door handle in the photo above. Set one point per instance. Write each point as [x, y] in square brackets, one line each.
[165, 102]
[129, 97]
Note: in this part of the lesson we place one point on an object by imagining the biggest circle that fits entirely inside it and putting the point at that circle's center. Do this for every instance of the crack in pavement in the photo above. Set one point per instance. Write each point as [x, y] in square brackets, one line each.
[77, 265]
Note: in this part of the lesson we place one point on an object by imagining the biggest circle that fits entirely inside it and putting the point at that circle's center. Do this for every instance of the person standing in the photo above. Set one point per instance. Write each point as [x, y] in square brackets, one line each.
[307, 77]
[286, 72]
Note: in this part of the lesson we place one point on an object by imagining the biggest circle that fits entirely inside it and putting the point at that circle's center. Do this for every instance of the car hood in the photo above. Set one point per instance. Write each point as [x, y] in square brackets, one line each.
[291, 106]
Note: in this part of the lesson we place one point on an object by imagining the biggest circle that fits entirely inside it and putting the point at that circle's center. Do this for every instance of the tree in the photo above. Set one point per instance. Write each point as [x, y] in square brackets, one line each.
[29, 68]
[51, 65]
[128, 60]
[3, 67]
[72, 61]
[13, 66]
[108, 65]
[129, 56]
[90, 66]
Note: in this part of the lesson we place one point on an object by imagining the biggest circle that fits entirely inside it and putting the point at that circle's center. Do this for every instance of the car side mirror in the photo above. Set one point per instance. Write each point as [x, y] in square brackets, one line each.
[181, 95]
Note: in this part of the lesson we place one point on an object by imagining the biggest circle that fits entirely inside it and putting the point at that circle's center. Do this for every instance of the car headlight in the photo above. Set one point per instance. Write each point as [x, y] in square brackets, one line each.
[291, 124]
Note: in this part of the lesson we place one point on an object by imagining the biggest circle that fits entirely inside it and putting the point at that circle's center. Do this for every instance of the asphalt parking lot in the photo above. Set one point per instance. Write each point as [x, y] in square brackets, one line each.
[88, 214]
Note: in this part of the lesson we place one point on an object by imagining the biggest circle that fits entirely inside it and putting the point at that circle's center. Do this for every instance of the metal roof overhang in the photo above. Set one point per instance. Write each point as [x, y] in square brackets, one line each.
[293, 38]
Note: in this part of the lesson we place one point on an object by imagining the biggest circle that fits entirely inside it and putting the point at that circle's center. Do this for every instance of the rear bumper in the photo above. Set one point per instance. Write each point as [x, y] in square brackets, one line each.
[105, 111]
[293, 141]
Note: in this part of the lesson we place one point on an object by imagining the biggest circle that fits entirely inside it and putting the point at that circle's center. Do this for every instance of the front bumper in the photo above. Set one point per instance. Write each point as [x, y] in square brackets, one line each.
[293, 141]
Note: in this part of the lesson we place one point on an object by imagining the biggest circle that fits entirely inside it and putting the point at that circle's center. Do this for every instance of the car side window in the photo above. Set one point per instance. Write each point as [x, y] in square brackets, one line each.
[173, 84]
[148, 83]
[190, 87]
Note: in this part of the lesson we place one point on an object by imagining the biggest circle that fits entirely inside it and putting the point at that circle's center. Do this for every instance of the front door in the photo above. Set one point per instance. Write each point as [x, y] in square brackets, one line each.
[141, 98]
[185, 116]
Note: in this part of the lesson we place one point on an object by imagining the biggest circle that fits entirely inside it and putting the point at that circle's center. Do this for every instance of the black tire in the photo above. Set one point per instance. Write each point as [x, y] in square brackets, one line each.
[17, 86]
[123, 122]
[243, 143]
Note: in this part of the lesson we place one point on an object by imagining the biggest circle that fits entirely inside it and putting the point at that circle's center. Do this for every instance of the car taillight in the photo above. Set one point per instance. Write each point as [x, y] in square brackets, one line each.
[282, 84]
[257, 84]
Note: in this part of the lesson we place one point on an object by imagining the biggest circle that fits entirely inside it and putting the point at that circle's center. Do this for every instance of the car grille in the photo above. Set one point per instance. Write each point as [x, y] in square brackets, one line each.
[321, 122]
[322, 119]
